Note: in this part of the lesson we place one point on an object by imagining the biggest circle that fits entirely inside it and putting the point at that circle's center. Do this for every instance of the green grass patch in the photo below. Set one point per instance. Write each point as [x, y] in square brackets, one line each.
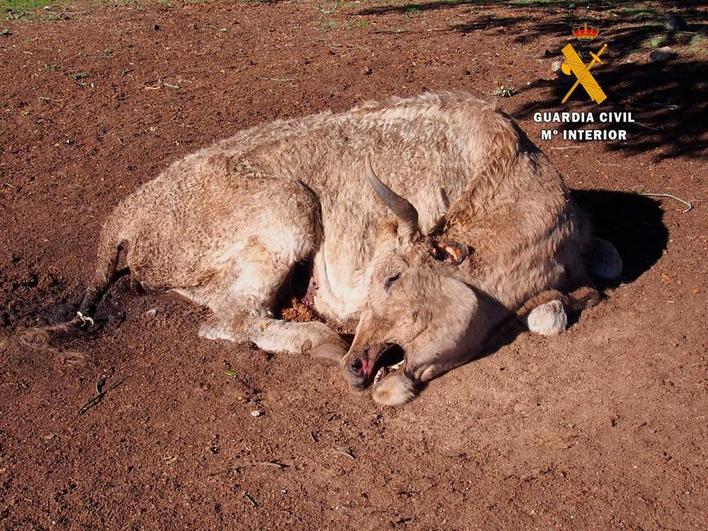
[412, 10]
[638, 13]
[22, 8]
[532, 2]
[656, 41]
[26, 5]
[328, 25]
[697, 40]
[78, 76]
[357, 24]
[505, 92]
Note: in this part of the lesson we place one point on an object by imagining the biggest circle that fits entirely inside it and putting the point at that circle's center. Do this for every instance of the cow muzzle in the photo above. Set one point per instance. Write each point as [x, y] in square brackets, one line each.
[361, 367]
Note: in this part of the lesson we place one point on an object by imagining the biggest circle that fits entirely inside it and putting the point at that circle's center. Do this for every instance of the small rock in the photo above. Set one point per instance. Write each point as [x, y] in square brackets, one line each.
[152, 312]
[664, 53]
[256, 413]
[556, 65]
[367, 70]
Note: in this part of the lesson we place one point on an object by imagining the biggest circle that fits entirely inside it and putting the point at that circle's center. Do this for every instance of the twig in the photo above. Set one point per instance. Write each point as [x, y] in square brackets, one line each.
[345, 453]
[283, 79]
[654, 104]
[645, 126]
[356, 46]
[275, 464]
[100, 392]
[250, 499]
[689, 206]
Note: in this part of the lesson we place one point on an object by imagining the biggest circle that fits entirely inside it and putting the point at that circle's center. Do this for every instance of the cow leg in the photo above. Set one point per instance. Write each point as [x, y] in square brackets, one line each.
[243, 295]
[274, 335]
[245, 323]
[312, 338]
[548, 319]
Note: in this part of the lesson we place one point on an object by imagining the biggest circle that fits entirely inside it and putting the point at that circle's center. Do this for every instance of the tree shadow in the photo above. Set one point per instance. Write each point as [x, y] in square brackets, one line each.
[667, 98]
[627, 29]
[668, 102]
[551, 6]
[633, 223]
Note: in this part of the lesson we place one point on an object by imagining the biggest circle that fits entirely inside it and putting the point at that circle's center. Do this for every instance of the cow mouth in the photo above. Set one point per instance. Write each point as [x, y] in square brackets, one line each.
[376, 362]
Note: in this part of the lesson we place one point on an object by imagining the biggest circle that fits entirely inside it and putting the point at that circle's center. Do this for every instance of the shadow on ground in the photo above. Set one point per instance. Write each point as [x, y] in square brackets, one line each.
[632, 222]
[638, 11]
[667, 98]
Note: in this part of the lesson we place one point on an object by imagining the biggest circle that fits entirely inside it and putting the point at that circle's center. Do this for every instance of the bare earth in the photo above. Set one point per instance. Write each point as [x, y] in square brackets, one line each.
[602, 427]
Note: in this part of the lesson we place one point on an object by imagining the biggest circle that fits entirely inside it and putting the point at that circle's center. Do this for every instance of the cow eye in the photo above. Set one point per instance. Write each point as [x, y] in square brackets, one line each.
[390, 280]
[440, 255]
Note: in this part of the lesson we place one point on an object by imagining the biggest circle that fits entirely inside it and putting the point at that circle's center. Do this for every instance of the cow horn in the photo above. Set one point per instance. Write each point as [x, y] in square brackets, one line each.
[404, 211]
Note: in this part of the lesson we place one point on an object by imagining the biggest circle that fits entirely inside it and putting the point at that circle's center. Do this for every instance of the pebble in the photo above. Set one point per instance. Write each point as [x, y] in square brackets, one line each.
[662, 54]
[256, 413]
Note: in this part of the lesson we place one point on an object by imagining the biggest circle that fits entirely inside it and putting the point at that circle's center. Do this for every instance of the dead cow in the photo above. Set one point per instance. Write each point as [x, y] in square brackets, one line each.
[486, 231]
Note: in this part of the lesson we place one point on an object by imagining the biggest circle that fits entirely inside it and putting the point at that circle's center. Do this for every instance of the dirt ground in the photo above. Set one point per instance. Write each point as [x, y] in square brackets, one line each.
[602, 427]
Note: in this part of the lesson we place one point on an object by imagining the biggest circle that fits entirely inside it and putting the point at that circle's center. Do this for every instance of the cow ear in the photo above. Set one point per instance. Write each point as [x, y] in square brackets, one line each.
[449, 251]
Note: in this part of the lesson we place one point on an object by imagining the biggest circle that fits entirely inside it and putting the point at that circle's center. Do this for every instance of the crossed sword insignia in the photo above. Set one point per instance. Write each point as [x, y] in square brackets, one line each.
[574, 65]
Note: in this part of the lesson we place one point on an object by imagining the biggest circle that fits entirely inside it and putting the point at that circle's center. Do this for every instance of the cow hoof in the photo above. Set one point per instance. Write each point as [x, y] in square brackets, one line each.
[548, 319]
[394, 390]
[605, 262]
[327, 353]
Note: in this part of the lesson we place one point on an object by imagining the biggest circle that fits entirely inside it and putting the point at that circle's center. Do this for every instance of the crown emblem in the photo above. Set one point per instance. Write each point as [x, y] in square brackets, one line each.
[584, 33]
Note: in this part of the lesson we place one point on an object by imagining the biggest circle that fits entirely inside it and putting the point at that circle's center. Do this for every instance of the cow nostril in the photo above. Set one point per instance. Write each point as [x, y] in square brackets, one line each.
[355, 365]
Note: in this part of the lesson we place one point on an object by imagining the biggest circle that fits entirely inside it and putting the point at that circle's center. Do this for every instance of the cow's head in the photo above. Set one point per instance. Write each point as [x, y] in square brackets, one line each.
[418, 308]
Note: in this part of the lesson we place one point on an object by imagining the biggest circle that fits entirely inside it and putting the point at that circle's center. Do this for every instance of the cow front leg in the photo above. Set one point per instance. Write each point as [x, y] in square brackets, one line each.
[313, 338]
[249, 322]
